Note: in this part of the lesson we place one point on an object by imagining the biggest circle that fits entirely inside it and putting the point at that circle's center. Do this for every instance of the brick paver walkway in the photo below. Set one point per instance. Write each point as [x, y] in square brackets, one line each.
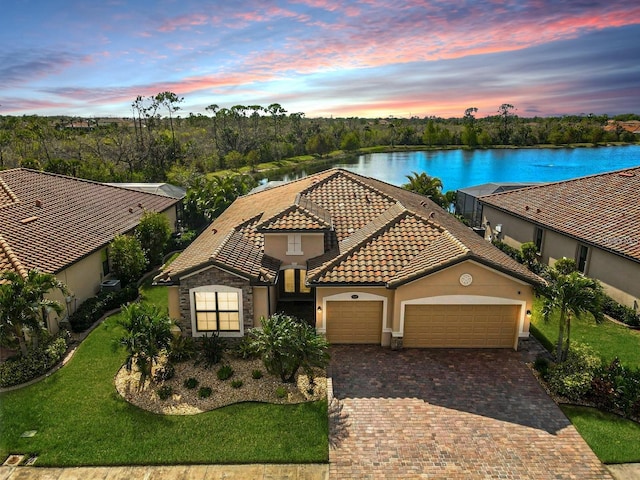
[448, 414]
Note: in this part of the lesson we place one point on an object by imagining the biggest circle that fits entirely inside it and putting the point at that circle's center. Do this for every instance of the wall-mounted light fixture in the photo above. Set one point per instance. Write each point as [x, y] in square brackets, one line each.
[528, 313]
[319, 309]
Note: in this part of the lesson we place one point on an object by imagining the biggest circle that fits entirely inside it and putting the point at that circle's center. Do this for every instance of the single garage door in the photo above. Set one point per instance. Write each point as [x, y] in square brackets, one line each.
[354, 322]
[460, 326]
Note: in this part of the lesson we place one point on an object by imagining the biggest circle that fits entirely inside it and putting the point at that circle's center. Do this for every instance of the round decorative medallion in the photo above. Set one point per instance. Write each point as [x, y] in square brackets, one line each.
[466, 279]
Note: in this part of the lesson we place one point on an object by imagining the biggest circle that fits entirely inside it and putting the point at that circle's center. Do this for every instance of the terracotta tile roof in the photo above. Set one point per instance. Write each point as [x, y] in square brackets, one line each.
[244, 257]
[444, 250]
[249, 208]
[250, 232]
[350, 202]
[7, 197]
[382, 234]
[52, 221]
[297, 218]
[380, 256]
[601, 210]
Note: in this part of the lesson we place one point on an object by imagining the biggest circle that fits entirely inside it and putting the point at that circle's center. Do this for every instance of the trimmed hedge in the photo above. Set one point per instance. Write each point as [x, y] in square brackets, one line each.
[621, 313]
[38, 361]
[93, 308]
[509, 250]
[546, 343]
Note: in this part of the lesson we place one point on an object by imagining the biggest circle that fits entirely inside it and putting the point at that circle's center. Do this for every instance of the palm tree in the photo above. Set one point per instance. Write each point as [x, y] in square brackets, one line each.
[426, 185]
[23, 306]
[147, 335]
[572, 294]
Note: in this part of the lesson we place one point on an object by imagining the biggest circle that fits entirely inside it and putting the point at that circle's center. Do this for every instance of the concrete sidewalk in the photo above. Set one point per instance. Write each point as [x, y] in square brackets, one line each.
[185, 472]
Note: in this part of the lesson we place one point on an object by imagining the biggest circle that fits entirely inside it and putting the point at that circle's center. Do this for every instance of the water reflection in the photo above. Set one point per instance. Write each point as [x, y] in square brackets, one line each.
[464, 168]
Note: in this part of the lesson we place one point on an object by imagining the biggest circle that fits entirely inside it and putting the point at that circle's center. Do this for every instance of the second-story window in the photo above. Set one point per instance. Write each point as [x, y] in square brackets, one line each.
[294, 244]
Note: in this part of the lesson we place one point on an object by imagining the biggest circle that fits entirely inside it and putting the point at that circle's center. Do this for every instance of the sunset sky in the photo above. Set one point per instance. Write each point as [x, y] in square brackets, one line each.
[368, 58]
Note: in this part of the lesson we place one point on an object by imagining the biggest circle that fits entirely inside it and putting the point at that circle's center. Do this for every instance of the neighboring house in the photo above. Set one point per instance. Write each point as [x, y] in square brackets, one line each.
[164, 189]
[362, 260]
[594, 220]
[468, 205]
[63, 225]
[631, 126]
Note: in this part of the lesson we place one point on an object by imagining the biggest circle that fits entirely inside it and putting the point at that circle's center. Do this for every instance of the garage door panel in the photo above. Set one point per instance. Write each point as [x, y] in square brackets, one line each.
[354, 322]
[460, 326]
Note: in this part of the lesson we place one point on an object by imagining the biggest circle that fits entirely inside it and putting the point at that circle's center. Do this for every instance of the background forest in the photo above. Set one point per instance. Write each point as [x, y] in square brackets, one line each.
[158, 144]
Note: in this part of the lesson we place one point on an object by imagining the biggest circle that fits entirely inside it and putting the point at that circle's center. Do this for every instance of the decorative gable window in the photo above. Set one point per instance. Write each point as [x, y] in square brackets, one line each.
[294, 244]
[216, 308]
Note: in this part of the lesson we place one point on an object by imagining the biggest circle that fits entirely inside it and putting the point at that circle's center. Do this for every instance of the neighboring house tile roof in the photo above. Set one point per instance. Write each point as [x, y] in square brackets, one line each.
[602, 210]
[50, 221]
[382, 234]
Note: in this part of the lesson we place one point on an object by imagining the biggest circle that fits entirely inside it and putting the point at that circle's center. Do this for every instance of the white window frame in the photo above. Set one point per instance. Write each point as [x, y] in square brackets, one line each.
[211, 289]
[294, 244]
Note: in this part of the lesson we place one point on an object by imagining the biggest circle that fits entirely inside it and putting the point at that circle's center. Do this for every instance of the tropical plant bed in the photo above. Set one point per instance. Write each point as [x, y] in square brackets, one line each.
[182, 400]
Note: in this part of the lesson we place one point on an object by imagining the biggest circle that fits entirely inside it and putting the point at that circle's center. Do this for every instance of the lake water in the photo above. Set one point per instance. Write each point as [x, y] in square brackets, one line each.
[465, 168]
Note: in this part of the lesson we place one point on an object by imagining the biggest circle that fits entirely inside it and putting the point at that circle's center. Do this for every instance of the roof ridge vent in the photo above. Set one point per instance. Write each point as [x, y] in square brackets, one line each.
[24, 221]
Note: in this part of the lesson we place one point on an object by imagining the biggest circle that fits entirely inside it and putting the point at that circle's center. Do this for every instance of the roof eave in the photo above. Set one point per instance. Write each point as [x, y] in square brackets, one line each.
[348, 284]
[425, 272]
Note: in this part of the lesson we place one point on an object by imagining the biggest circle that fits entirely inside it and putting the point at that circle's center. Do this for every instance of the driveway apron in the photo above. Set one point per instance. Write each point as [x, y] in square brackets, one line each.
[450, 414]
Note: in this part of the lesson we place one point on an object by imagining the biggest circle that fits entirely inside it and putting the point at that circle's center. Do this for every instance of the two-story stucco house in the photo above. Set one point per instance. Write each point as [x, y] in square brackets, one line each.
[372, 262]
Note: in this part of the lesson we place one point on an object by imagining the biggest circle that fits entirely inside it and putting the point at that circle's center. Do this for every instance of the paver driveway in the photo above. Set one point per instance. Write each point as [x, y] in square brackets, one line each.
[454, 414]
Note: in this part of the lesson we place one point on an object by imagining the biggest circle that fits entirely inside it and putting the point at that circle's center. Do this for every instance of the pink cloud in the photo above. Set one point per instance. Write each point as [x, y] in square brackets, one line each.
[184, 22]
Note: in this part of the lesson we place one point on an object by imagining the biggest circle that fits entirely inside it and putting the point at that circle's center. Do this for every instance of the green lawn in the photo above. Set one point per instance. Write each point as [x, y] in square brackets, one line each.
[608, 338]
[613, 439]
[82, 420]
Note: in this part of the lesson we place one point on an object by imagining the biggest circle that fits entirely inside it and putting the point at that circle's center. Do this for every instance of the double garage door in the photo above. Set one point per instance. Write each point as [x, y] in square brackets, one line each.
[429, 326]
[460, 326]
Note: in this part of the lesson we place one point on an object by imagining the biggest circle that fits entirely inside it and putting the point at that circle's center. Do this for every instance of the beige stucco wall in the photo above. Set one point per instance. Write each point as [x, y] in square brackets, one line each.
[173, 294]
[172, 215]
[260, 304]
[619, 277]
[556, 246]
[275, 245]
[486, 283]
[83, 281]
[515, 231]
[364, 294]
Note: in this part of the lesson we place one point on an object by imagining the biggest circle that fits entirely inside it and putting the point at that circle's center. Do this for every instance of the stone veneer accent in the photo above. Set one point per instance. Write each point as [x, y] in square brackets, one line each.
[214, 276]
[396, 343]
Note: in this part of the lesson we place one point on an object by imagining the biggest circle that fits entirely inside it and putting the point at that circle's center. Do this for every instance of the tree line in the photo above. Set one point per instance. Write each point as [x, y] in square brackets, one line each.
[157, 143]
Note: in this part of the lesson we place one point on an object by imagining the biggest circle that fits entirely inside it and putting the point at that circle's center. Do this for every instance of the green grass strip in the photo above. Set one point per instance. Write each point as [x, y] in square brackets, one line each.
[608, 339]
[612, 438]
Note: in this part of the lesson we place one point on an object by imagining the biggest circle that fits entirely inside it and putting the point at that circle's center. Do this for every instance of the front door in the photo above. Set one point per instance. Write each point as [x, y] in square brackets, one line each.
[292, 285]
